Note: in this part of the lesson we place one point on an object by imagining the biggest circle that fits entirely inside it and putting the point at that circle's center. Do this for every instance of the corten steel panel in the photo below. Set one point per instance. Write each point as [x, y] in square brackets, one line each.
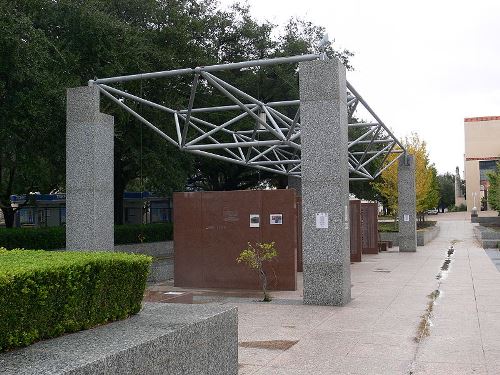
[369, 228]
[299, 234]
[282, 202]
[222, 230]
[188, 248]
[225, 232]
[355, 229]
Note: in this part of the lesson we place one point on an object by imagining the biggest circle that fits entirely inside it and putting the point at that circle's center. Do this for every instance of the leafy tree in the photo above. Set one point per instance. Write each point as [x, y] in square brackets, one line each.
[446, 184]
[427, 191]
[32, 119]
[48, 46]
[254, 257]
[244, 39]
[494, 189]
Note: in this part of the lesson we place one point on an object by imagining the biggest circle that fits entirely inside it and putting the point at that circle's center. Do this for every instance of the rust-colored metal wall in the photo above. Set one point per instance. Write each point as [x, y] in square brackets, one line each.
[355, 230]
[211, 229]
[369, 228]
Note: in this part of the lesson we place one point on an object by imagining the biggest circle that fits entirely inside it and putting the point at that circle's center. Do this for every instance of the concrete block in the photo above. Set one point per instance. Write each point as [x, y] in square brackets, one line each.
[161, 339]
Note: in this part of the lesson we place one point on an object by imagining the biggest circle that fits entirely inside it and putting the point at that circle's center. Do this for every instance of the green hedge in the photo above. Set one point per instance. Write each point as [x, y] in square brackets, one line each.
[55, 237]
[389, 226]
[48, 293]
[149, 233]
[33, 238]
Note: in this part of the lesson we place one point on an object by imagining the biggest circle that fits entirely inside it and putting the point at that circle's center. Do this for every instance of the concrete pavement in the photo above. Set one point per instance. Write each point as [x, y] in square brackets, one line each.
[436, 311]
[391, 326]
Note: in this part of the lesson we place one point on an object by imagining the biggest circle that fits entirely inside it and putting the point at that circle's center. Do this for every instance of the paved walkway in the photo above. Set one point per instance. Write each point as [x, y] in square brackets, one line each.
[384, 329]
[435, 311]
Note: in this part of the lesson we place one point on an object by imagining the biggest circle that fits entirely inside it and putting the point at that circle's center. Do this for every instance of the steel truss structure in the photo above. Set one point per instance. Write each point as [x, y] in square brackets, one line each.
[261, 135]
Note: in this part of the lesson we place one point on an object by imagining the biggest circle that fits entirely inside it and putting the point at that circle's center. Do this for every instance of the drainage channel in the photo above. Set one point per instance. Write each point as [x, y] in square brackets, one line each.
[425, 324]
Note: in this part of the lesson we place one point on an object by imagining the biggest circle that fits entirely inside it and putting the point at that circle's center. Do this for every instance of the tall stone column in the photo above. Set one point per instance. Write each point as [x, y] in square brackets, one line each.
[296, 184]
[407, 202]
[89, 172]
[325, 183]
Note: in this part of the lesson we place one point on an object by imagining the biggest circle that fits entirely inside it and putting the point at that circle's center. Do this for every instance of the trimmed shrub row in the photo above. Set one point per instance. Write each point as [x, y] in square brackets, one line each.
[389, 226]
[33, 238]
[55, 237]
[143, 233]
[45, 294]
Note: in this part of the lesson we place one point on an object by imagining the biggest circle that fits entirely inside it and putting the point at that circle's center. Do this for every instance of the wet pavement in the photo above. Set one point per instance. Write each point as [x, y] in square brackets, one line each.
[436, 311]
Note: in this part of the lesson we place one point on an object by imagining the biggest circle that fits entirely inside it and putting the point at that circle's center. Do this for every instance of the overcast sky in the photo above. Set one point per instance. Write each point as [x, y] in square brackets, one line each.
[422, 65]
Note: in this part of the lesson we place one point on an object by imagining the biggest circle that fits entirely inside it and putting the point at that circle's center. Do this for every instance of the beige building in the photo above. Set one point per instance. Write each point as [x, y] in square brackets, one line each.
[482, 151]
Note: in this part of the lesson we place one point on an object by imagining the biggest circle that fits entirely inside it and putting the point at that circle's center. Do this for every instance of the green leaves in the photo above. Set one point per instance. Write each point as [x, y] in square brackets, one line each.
[55, 237]
[494, 189]
[45, 294]
[254, 257]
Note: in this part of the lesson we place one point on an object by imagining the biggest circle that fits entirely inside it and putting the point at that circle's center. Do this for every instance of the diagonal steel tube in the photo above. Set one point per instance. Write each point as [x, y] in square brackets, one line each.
[138, 116]
[368, 108]
[360, 138]
[215, 141]
[224, 158]
[219, 127]
[190, 107]
[136, 98]
[388, 165]
[242, 106]
[368, 148]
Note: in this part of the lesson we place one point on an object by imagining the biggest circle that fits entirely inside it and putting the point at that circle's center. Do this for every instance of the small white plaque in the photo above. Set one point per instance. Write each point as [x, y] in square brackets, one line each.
[276, 219]
[406, 217]
[254, 220]
[322, 220]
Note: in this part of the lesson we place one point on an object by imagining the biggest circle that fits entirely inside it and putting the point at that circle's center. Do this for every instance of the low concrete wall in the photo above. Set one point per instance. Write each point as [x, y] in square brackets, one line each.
[155, 249]
[161, 339]
[486, 220]
[487, 237]
[424, 236]
[390, 236]
[162, 268]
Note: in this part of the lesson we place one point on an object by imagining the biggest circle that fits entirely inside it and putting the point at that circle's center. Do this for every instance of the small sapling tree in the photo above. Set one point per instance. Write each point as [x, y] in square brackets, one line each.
[254, 257]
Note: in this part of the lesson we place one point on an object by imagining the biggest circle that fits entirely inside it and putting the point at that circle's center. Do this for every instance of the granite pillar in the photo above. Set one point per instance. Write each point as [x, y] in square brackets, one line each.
[296, 184]
[325, 183]
[89, 172]
[407, 204]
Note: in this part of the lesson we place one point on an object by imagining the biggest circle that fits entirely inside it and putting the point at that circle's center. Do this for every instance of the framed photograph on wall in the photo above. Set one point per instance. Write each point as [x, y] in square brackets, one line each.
[276, 219]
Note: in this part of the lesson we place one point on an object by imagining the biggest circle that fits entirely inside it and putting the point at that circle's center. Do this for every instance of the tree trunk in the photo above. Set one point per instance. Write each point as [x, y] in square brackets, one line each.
[263, 280]
[8, 216]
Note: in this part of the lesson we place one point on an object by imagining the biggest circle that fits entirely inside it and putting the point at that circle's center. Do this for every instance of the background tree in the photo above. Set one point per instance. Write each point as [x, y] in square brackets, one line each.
[426, 186]
[50, 45]
[363, 189]
[446, 184]
[31, 108]
[494, 189]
